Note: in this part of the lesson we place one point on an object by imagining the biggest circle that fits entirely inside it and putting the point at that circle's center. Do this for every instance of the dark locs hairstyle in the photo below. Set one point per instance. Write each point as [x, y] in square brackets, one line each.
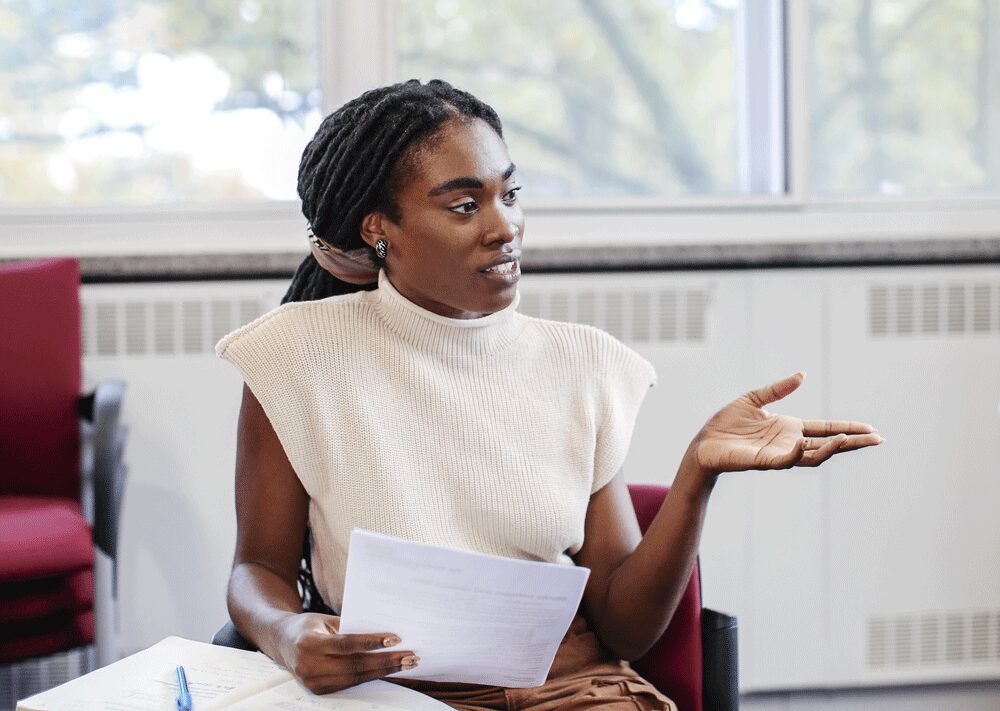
[357, 160]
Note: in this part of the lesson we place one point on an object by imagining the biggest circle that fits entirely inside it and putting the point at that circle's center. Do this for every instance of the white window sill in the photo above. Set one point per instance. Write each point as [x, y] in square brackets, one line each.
[280, 228]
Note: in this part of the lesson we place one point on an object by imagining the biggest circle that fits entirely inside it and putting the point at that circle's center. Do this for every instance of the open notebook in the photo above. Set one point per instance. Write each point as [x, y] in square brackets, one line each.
[218, 678]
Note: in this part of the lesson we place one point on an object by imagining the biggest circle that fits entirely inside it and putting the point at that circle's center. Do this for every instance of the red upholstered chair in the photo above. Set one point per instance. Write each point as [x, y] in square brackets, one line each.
[695, 661]
[47, 531]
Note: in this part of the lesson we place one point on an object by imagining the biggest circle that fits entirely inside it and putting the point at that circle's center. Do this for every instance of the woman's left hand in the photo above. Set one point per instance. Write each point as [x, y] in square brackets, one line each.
[743, 435]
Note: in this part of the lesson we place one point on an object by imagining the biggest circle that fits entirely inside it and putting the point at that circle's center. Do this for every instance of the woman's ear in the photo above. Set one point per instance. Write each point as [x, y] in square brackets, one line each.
[373, 228]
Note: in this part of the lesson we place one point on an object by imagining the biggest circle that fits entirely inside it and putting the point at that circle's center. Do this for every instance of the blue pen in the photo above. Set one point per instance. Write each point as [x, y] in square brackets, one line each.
[183, 696]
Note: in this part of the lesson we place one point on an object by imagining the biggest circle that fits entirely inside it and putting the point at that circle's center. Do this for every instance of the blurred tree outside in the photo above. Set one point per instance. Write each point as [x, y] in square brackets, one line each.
[905, 96]
[622, 98]
[155, 101]
[597, 97]
[172, 101]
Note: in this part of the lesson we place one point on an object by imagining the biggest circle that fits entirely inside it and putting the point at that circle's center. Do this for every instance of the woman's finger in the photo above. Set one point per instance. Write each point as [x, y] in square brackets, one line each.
[860, 441]
[850, 442]
[815, 457]
[359, 672]
[353, 643]
[362, 664]
[776, 391]
[824, 428]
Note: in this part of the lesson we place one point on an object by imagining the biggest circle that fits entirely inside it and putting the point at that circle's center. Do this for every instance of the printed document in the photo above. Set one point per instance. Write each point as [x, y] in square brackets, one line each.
[218, 678]
[470, 617]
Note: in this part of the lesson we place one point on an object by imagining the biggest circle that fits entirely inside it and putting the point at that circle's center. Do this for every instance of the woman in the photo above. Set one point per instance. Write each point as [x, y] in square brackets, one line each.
[429, 409]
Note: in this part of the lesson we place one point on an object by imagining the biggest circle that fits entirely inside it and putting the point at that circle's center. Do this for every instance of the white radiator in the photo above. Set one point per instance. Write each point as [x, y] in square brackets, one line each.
[181, 404]
[881, 567]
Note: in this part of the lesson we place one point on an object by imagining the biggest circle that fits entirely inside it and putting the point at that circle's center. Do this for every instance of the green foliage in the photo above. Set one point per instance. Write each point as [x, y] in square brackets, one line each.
[905, 96]
[79, 118]
[597, 97]
[114, 101]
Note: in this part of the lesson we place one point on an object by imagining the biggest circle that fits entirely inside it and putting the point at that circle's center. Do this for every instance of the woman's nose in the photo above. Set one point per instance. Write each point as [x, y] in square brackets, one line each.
[505, 232]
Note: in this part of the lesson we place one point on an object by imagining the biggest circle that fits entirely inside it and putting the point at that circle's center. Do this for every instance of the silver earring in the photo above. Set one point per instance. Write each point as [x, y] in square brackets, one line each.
[381, 248]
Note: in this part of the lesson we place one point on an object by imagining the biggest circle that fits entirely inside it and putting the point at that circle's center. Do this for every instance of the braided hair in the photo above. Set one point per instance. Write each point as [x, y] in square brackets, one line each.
[360, 156]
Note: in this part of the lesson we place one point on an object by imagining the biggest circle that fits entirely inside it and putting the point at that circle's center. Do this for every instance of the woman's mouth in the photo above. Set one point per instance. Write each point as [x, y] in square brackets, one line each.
[507, 273]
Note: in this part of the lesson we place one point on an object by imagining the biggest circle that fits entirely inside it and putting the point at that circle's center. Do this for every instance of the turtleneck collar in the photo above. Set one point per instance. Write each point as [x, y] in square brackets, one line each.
[451, 337]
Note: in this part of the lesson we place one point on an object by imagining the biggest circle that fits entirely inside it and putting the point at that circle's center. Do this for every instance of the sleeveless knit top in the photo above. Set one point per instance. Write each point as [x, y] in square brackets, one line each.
[486, 434]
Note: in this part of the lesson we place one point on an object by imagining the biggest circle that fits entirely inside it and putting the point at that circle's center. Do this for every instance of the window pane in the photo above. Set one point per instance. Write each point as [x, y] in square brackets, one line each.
[598, 97]
[905, 96]
[155, 102]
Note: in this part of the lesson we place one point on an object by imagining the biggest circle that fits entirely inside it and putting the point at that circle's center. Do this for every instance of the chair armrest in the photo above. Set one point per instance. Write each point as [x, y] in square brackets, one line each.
[720, 661]
[102, 409]
[229, 636]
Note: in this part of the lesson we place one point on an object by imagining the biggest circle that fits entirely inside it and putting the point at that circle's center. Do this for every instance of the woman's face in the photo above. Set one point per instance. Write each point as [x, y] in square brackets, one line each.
[459, 215]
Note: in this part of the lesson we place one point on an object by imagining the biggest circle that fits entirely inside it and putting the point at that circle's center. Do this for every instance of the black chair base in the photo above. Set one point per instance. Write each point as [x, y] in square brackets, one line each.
[720, 668]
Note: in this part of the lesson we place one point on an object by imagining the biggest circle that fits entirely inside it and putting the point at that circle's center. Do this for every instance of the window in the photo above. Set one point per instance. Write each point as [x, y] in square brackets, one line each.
[177, 126]
[905, 97]
[604, 98]
[158, 101]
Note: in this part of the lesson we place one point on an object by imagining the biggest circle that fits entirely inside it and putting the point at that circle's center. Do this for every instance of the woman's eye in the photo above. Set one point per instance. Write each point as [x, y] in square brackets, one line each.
[466, 208]
[512, 195]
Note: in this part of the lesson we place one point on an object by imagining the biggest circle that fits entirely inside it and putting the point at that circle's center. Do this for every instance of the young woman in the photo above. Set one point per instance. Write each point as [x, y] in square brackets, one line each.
[429, 409]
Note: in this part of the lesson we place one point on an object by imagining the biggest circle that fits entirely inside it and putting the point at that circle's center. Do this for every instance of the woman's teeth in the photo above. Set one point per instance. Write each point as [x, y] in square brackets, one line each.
[504, 268]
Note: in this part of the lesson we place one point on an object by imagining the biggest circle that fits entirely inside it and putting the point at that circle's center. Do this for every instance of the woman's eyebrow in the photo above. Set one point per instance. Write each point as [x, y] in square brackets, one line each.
[466, 182]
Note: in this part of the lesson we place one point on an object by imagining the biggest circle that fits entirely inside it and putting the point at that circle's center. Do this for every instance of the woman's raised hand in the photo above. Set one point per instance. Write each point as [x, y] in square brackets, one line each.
[743, 435]
[312, 648]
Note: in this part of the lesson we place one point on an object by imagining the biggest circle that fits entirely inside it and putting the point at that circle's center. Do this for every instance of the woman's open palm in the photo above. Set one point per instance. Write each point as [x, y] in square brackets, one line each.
[743, 435]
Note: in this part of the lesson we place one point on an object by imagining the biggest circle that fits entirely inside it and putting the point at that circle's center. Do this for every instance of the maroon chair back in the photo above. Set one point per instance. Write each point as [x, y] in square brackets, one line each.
[674, 664]
[40, 378]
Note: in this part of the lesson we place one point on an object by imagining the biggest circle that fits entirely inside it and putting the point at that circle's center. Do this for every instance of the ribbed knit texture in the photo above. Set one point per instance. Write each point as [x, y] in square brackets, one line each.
[485, 434]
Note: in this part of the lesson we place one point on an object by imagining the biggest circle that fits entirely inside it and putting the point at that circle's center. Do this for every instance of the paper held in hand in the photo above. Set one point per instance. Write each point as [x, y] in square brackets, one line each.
[471, 618]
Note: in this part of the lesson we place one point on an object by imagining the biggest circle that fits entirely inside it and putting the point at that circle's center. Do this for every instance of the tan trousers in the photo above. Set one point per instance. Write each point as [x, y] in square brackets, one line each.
[583, 676]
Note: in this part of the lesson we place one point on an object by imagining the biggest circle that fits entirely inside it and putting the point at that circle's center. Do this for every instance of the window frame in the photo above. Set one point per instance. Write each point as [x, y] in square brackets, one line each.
[358, 52]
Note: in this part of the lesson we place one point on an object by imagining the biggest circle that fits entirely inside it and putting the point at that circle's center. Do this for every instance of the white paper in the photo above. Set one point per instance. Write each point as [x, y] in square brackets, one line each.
[471, 618]
[218, 678]
[371, 696]
[147, 681]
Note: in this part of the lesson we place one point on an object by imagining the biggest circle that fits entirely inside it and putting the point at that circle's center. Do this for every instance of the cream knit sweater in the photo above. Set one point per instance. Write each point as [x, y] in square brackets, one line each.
[485, 434]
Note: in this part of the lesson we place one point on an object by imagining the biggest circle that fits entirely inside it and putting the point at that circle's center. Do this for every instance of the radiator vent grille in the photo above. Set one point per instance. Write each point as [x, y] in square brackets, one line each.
[929, 639]
[189, 326]
[933, 309]
[19, 680]
[136, 327]
[638, 316]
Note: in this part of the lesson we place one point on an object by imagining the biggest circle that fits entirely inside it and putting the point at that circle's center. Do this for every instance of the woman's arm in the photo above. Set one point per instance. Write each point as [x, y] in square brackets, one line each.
[636, 582]
[271, 512]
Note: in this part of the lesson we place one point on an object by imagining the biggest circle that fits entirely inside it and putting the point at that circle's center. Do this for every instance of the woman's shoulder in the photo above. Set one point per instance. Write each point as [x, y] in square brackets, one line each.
[294, 319]
[591, 353]
[576, 338]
